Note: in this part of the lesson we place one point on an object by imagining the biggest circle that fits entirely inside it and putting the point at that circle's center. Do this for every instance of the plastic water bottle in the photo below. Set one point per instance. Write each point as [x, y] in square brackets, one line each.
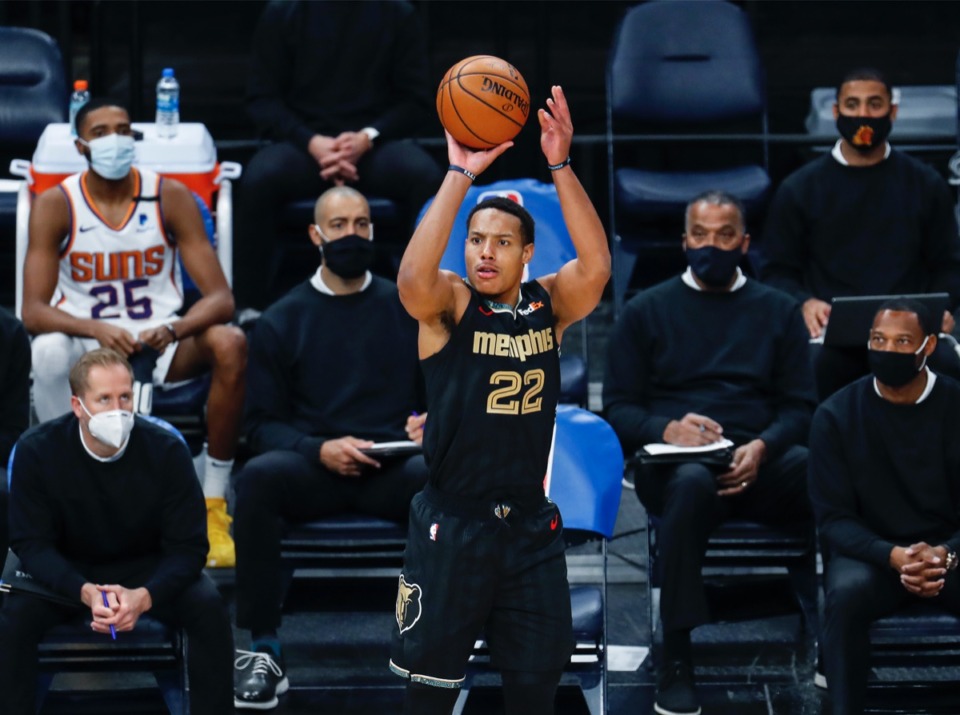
[168, 105]
[80, 96]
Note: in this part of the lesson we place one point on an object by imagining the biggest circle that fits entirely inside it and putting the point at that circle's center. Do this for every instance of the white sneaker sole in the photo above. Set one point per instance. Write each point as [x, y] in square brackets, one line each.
[664, 711]
[282, 687]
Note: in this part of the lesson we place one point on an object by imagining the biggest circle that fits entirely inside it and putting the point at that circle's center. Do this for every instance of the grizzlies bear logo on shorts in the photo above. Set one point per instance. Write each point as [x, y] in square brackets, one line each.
[408, 605]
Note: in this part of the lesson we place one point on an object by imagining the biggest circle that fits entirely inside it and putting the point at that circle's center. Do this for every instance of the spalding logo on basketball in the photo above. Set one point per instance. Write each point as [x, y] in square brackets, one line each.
[483, 101]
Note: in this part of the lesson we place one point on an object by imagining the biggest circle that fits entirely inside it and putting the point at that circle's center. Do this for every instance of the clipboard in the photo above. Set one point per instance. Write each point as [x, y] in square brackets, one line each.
[719, 455]
[401, 448]
[17, 581]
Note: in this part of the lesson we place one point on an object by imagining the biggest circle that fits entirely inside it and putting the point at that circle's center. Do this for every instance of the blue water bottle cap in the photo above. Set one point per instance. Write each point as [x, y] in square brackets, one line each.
[168, 71]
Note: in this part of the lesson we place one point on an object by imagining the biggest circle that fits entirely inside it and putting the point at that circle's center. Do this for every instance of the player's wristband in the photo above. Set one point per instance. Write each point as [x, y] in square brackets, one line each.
[557, 167]
[469, 174]
[173, 332]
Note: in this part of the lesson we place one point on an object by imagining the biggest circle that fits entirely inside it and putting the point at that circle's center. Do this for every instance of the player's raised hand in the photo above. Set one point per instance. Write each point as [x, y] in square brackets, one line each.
[475, 161]
[556, 127]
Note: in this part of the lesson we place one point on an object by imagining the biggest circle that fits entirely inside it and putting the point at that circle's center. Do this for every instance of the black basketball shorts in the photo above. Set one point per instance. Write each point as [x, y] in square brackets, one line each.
[495, 570]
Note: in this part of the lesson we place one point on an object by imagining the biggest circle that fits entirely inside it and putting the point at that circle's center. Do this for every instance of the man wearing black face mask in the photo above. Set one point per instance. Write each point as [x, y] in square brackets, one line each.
[865, 219]
[699, 358]
[333, 368]
[885, 488]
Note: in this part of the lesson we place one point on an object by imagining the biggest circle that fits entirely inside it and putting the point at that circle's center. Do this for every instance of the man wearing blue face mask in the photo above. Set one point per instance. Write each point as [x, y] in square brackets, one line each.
[864, 219]
[333, 369]
[106, 511]
[885, 488]
[707, 356]
[102, 269]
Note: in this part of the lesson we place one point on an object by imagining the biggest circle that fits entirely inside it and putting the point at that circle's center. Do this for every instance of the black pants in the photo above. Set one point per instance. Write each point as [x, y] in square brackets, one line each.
[279, 173]
[685, 498]
[837, 367]
[857, 593]
[281, 485]
[198, 609]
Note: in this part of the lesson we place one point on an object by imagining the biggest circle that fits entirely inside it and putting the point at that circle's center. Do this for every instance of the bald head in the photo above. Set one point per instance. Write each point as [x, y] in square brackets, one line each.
[338, 196]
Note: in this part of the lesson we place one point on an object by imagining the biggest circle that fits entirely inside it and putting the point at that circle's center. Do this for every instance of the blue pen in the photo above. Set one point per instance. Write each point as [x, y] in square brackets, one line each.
[113, 631]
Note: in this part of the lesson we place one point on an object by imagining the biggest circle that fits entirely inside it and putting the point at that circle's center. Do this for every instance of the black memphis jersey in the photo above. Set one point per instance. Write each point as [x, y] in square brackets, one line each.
[492, 392]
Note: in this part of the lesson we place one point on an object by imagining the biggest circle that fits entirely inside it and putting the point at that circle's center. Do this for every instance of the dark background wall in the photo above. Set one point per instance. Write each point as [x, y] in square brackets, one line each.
[121, 48]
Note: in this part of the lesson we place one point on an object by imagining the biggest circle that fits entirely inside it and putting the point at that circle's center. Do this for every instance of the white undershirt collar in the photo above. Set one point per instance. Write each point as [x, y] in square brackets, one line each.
[842, 160]
[688, 279]
[931, 379]
[112, 457]
[316, 280]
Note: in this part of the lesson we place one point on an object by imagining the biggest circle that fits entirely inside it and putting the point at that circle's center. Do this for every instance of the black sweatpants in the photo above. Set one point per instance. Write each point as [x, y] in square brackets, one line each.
[285, 486]
[685, 498]
[857, 593]
[199, 609]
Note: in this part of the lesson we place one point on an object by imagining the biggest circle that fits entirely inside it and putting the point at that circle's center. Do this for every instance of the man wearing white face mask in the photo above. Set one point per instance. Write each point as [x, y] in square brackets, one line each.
[106, 506]
[333, 368]
[102, 269]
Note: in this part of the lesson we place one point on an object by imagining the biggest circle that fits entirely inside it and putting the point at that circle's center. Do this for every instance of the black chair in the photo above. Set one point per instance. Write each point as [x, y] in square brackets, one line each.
[33, 93]
[740, 549]
[349, 545]
[686, 75]
[151, 647]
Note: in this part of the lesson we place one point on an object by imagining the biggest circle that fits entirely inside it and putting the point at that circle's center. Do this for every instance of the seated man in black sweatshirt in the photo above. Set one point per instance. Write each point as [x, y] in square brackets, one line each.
[333, 369]
[699, 358]
[885, 489]
[106, 509]
[337, 88]
[864, 219]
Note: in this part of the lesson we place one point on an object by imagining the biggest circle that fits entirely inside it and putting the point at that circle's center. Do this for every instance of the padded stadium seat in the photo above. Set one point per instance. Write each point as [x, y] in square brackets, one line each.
[300, 212]
[33, 90]
[33, 93]
[741, 548]
[919, 634]
[351, 545]
[150, 647]
[688, 72]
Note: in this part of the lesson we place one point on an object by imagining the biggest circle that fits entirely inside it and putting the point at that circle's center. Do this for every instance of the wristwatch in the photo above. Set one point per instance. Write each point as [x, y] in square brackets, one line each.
[371, 133]
[950, 563]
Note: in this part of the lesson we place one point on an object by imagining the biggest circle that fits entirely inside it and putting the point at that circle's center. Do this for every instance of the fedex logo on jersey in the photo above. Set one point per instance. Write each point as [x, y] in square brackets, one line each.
[514, 196]
[116, 266]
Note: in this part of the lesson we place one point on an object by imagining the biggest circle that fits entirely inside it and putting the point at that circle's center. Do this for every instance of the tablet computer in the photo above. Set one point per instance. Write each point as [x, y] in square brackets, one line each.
[852, 317]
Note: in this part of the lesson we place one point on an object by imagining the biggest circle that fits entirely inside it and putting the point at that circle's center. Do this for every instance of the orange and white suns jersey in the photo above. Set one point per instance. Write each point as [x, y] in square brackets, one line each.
[127, 274]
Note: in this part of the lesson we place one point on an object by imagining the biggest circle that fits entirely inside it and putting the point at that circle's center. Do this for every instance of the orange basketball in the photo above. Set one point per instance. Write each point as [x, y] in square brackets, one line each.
[483, 101]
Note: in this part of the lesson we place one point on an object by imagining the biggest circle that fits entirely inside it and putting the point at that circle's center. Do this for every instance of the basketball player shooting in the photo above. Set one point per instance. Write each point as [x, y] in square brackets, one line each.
[485, 549]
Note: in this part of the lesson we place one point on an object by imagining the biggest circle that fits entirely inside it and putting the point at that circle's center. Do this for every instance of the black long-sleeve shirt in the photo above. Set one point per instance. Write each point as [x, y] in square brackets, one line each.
[885, 475]
[740, 358]
[74, 519]
[330, 67]
[835, 230]
[14, 383]
[323, 367]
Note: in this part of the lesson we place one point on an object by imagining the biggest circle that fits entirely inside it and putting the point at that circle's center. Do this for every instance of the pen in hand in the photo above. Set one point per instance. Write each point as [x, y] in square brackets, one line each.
[113, 631]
